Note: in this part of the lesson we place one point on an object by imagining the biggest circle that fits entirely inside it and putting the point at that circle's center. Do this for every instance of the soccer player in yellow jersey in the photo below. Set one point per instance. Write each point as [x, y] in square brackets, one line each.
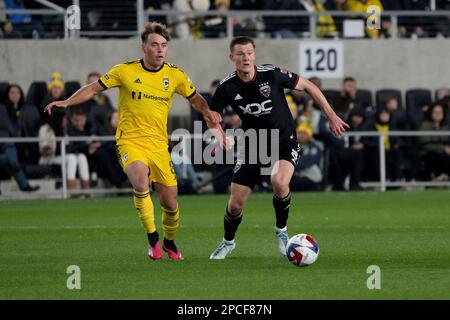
[146, 89]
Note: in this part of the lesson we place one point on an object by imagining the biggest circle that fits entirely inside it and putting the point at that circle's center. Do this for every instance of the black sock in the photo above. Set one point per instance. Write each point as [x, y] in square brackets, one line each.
[153, 238]
[281, 209]
[170, 244]
[231, 224]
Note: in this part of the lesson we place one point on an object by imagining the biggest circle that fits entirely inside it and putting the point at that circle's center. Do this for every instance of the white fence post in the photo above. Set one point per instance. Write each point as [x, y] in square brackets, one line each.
[64, 168]
[382, 152]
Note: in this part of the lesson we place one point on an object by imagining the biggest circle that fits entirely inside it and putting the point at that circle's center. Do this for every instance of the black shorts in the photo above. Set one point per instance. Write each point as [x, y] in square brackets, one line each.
[250, 174]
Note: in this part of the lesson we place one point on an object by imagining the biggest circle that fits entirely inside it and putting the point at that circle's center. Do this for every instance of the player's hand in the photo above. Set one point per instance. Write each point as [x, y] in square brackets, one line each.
[337, 125]
[58, 104]
[212, 117]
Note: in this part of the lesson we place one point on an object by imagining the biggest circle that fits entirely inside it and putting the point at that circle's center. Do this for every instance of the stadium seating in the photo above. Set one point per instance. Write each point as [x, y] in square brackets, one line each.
[71, 87]
[36, 93]
[415, 100]
[3, 87]
[365, 96]
[383, 95]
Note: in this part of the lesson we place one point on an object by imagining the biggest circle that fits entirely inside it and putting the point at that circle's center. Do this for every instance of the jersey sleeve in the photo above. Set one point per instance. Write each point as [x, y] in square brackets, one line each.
[285, 78]
[111, 78]
[219, 100]
[185, 87]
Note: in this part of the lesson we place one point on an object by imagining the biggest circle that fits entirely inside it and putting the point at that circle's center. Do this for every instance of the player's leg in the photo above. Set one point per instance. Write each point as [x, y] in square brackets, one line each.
[170, 218]
[164, 180]
[138, 172]
[232, 219]
[280, 179]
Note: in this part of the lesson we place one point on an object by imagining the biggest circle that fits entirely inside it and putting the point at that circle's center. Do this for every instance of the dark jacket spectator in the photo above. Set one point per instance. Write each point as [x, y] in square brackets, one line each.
[381, 123]
[436, 149]
[26, 120]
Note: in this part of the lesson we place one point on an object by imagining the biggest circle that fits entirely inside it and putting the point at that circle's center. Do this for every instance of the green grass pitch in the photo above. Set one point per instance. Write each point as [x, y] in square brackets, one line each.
[407, 234]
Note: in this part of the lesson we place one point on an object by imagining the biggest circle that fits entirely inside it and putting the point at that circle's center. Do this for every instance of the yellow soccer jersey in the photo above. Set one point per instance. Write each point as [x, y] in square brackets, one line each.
[145, 98]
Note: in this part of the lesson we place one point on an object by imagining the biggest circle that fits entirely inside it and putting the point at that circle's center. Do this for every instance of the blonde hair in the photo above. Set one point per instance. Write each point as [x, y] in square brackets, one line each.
[155, 27]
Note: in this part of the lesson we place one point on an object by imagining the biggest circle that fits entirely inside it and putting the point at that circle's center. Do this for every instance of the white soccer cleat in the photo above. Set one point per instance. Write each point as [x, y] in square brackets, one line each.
[222, 250]
[282, 239]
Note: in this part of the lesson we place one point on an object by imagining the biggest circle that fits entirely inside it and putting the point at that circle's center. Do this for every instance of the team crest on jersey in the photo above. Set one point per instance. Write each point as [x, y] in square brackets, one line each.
[264, 88]
[166, 83]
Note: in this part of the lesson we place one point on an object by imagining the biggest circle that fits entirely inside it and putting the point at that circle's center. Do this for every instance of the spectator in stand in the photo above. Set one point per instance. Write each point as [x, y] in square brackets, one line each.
[106, 156]
[78, 151]
[381, 123]
[325, 24]
[287, 26]
[26, 119]
[9, 32]
[346, 155]
[409, 156]
[55, 93]
[9, 161]
[436, 149]
[152, 5]
[308, 175]
[347, 100]
[186, 25]
[362, 6]
[336, 5]
[98, 108]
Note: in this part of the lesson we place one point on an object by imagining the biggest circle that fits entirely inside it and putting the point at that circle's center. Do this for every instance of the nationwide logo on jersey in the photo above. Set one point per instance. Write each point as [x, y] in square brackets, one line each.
[166, 83]
[138, 81]
[264, 88]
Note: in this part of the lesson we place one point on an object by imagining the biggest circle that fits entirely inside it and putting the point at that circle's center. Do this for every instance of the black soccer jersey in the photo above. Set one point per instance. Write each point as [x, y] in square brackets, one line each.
[260, 102]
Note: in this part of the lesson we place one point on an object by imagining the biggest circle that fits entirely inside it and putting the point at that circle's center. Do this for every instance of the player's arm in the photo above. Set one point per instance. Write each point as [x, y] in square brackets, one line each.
[85, 93]
[337, 125]
[212, 119]
[199, 103]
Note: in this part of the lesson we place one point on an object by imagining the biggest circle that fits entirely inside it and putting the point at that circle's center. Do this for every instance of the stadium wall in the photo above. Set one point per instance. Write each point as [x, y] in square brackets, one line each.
[376, 64]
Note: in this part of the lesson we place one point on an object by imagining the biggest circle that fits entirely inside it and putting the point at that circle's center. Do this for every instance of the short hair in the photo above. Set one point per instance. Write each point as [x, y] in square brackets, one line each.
[155, 27]
[242, 41]
[349, 79]
[94, 74]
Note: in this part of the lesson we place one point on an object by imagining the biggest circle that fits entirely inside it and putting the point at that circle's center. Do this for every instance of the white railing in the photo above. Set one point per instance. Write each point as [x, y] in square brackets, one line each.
[382, 184]
[143, 16]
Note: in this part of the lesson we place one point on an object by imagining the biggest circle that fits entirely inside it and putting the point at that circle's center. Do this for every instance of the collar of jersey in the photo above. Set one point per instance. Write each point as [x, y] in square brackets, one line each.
[150, 70]
[249, 81]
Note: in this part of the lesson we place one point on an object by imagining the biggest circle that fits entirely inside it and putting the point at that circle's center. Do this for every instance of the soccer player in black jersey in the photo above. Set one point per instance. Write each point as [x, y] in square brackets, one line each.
[256, 93]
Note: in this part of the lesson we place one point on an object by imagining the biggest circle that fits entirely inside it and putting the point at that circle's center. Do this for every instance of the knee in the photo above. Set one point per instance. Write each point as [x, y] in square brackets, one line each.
[235, 206]
[141, 184]
[169, 204]
[279, 184]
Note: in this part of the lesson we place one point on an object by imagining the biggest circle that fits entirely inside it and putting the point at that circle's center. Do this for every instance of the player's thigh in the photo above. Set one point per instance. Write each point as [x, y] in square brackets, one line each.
[134, 163]
[239, 196]
[137, 172]
[161, 169]
[167, 196]
[282, 173]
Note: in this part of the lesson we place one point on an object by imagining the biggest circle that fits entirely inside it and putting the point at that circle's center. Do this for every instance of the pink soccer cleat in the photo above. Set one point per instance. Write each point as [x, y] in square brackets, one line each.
[155, 253]
[172, 254]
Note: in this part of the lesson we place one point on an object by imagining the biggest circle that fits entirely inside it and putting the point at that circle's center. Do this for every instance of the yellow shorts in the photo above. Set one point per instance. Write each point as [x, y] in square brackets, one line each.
[159, 162]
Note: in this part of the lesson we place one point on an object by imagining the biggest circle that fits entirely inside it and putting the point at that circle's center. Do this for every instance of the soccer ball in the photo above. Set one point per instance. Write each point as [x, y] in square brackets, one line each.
[302, 250]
